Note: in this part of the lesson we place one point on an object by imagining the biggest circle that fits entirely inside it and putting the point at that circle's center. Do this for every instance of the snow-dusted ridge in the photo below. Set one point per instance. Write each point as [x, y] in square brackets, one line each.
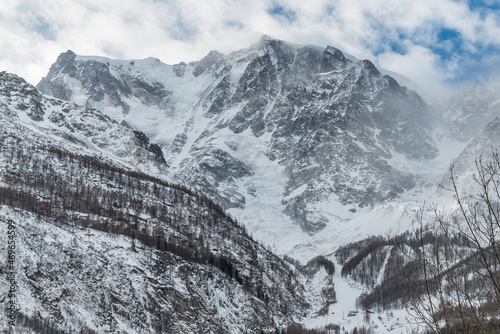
[76, 127]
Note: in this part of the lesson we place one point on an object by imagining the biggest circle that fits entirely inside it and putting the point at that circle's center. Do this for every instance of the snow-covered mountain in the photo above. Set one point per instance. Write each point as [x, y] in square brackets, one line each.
[472, 117]
[106, 242]
[288, 138]
[294, 133]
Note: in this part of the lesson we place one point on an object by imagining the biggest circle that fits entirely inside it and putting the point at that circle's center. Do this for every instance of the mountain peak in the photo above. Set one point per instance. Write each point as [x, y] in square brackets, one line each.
[211, 58]
[265, 38]
[370, 67]
[336, 53]
[66, 56]
[332, 58]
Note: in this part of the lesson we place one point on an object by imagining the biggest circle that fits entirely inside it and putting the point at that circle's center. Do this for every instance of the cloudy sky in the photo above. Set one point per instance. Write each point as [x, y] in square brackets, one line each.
[439, 44]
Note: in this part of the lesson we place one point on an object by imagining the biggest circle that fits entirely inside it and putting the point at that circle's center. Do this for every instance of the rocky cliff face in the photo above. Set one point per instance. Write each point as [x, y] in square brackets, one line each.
[323, 127]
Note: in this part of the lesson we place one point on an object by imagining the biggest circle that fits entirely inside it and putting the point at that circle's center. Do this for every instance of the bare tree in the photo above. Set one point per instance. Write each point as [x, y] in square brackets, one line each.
[456, 285]
[2, 73]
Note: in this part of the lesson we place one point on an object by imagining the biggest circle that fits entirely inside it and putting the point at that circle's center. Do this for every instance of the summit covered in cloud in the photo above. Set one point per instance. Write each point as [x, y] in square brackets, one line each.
[438, 44]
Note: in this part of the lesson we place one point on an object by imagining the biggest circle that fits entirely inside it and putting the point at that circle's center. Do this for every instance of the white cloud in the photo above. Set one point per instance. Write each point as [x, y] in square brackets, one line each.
[421, 65]
[34, 32]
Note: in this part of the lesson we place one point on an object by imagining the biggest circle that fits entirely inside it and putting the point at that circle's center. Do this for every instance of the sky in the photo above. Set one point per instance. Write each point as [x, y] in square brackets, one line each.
[441, 45]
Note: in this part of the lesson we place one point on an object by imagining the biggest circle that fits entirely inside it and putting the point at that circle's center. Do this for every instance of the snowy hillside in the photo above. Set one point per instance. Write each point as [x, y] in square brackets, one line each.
[103, 246]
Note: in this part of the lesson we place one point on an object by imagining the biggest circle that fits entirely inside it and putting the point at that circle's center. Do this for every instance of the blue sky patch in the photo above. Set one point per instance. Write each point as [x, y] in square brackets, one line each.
[448, 34]
[477, 67]
[462, 61]
[395, 45]
[484, 5]
[281, 12]
[449, 43]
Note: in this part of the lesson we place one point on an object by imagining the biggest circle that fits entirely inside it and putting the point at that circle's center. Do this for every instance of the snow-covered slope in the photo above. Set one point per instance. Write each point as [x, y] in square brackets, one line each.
[295, 134]
[105, 242]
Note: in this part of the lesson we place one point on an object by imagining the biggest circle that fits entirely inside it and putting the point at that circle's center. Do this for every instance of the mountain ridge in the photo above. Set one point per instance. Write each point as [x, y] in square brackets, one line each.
[263, 89]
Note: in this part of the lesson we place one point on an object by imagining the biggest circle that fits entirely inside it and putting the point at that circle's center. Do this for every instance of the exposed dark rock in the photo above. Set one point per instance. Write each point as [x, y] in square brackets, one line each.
[143, 141]
[180, 69]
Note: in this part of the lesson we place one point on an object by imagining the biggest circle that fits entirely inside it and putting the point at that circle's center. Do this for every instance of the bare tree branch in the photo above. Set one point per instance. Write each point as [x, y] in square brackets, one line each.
[457, 286]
